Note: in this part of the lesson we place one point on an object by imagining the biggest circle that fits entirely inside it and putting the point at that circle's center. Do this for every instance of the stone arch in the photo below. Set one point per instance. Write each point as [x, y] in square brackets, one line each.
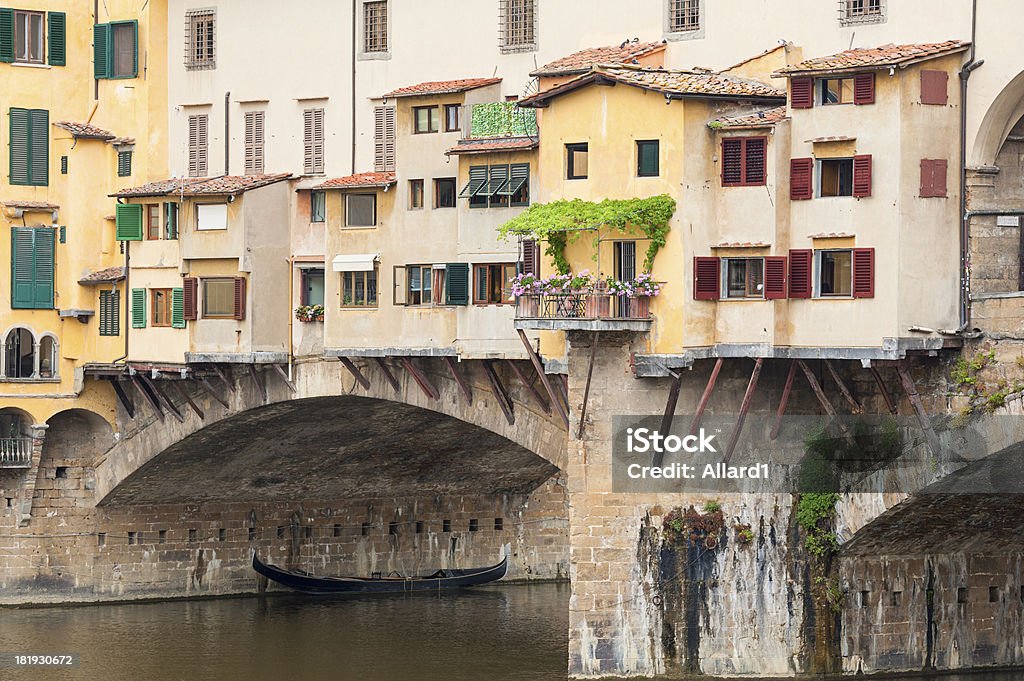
[1003, 114]
[79, 434]
[15, 422]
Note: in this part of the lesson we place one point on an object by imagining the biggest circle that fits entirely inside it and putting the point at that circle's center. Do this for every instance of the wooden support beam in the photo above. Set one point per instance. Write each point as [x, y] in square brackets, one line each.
[356, 373]
[284, 377]
[148, 396]
[531, 386]
[464, 386]
[183, 392]
[706, 397]
[816, 387]
[669, 415]
[205, 382]
[586, 390]
[538, 366]
[889, 401]
[504, 402]
[162, 396]
[784, 402]
[421, 379]
[748, 397]
[915, 400]
[847, 395]
[122, 397]
[388, 376]
[224, 377]
[258, 381]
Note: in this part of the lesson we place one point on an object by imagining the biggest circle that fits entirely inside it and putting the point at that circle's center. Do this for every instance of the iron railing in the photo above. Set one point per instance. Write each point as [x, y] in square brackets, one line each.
[582, 306]
[15, 452]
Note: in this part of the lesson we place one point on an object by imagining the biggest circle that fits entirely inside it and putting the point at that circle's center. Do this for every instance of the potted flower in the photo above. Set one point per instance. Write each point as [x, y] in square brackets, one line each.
[527, 288]
[309, 313]
[643, 289]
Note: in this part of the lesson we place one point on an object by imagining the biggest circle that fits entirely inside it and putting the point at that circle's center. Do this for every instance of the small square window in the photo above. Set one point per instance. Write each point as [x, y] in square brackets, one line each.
[961, 595]
[744, 278]
[364, 530]
[865, 599]
[415, 194]
[425, 119]
[392, 528]
[861, 11]
[835, 177]
[28, 37]
[317, 206]
[219, 298]
[683, 16]
[124, 164]
[446, 526]
[576, 161]
[648, 158]
[361, 210]
[419, 527]
[444, 192]
[359, 289]
[836, 91]
[835, 273]
[452, 117]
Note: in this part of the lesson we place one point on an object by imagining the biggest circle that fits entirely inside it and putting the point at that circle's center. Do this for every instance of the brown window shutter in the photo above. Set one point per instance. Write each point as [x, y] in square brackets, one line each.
[862, 176]
[801, 179]
[754, 161]
[801, 262]
[864, 88]
[801, 93]
[531, 259]
[775, 277]
[239, 298]
[190, 296]
[863, 273]
[933, 177]
[732, 162]
[706, 278]
[934, 87]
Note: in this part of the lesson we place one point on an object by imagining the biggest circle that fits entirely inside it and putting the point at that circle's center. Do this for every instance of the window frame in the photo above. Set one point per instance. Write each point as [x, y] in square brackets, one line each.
[640, 144]
[745, 142]
[454, 192]
[422, 269]
[517, 26]
[110, 313]
[152, 225]
[378, 40]
[317, 209]
[819, 271]
[366, 276]
[204, 282]
[692, 12]
[201, 57]
[124, 163]
[448, 109]
[507, 271]
[821, 86]
[433, 122]
[416, 198]
[115, 27]
[19, 31]
[572, 148]
[198, 211]
[348, 211]
[849, 15]
[160, 307]
[727, 262]
[304, 277]
[819, 166]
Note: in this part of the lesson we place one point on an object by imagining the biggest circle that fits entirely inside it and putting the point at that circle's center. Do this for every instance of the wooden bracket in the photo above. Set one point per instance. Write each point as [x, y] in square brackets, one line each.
[421, 380]
[706, 397]
[784, 402]
[356, 373]
[504, 401]
[854, 404]
[258, 381]
[531, 386]
[539, 368]
[183, 392]
[284, 377]
[388, 376]
[222, 375]
[889, 401]
[586, 391]
[123, 398]
[205, 382]
[915, 400]
[669, 415]
[748, 397]
[467, 390]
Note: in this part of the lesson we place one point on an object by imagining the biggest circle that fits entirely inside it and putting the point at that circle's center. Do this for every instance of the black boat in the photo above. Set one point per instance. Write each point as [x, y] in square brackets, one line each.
[442, 579]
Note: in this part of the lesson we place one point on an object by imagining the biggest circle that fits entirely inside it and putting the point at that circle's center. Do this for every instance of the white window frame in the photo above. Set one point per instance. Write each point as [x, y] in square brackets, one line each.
[216, 215]
[348, 197]
[818, 162]
[816, 277]
[724, 285]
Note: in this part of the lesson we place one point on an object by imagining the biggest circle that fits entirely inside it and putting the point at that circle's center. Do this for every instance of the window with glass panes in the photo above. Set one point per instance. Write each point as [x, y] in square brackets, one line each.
[28, 37]
[160, 306]
[493, 283]
[154, 228]
[419, 280]
[375, 26]
[359, 289]
[360, 210]
[648, 162]
[425, 119]
[744, 278]
[219, 298]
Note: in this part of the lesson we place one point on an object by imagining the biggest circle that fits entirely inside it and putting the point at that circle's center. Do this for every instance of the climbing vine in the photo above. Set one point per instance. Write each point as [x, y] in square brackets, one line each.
[560, 222]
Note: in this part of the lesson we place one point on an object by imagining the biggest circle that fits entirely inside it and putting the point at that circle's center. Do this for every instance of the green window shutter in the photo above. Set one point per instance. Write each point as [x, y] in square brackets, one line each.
[110, 313]
[129, 222]
[178, 308]
[42, 285]
[138, 308]
[6, 34]
[135, 48]
[20, 149]
[57, 38]
[171, 221]
[124, 164]
[101, 51]
[477, 182]
[22, 267]
[647, 158]
[39, 142]
[458, 283]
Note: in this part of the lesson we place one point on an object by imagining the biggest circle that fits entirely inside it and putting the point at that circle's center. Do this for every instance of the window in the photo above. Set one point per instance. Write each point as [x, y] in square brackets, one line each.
[219, 298]
[124, 163]
[493, 284]
[32, 268]
[683, 16]
[836, 90]
[452, 115]
[934, 87]
[313, 141]
[312, 286]
[254, 142]
[835, 177]
[20, 357]
[835, 274]
[170, 221]
[933, 178]
[200, 39]
[419, 279]
[153, 226]
[375, 26]
[48, 366]
[576, 161]
[743, 161]
[317, 206]
[648, 158]
[211, 216]
[439, 285]
[517, 28]
[415, 194]
[30, 147]
[361, 210]
[861, 11]
[359, 289]
[744, 278]
[425, 119]
[28, 37]
[384, 133]
[160, 306]
[115, 50]
[444, 192]
[110, 313]
[197, 145]
[498, 186]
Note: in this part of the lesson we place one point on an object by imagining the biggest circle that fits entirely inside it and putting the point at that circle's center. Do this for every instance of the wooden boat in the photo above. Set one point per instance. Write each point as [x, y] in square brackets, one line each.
[301, 580]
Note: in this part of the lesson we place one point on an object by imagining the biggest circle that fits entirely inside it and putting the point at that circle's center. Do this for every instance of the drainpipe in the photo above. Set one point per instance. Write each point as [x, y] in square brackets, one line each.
[227, 133]
[965, 219]
[127, 297]
[354, 3]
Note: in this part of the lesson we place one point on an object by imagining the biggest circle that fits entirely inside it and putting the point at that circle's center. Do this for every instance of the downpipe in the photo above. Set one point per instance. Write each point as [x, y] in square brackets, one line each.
[965, 220]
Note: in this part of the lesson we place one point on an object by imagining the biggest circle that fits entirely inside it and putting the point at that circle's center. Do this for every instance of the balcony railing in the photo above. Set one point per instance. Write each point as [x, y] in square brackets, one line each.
[16, 452]
[583, 311]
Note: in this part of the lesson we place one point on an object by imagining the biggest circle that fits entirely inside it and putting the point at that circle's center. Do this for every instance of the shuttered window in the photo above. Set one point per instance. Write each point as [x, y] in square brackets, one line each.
[531, 257]
[254, 142]
[934, 87]
[124, 164]
[648, 153]
[138, 308]
[57, 38]
[30, 147]
[128, 219]
[6, 35]
[862, 176]
[178, 308]
[190, 299]
[110, 313]
[384, 133]
[313, 141]
[744, 161]
[457, 275]
[707, 275]
[800, 270]
[116, 50]
[198, 142]
[801, 93]
[801, 179]
[477, 182]
[863, 273]
[170, 220]
[933, 178]
[32, 257]
[864, 88]
[775, 277]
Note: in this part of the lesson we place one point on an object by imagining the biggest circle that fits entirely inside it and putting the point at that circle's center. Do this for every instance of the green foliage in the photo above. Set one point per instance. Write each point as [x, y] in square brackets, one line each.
[712, 507]
[502, 119]
[815, 512]
[567, 220]
[995, 400]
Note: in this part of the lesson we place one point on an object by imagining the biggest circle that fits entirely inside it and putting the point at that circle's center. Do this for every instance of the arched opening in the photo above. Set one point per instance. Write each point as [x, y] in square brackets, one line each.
[19, 354]
[48, 362]
[15, 438]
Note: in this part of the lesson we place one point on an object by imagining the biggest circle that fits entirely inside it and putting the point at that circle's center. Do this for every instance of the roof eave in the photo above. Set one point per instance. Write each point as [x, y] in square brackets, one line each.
[902, 64]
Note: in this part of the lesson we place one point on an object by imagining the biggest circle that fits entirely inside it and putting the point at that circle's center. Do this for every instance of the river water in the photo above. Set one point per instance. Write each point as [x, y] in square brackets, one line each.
[500, 633]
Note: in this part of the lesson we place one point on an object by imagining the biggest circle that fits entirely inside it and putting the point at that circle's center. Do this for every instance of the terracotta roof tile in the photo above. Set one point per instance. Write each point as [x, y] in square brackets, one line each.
[742, 244]
[359, 181]
[876, 57]
[200, 186]
[485, 145]
[32, 205]
[831, 235]
[105, 276]
[757, 119]
[582, 61]
[85, 130]
[443, 87]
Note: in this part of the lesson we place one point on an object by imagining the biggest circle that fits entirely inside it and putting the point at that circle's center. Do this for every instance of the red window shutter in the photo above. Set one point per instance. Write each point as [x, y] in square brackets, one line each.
[864, 88]
[531, 259]
[801, 93]
[754, 156]
[732, 162]
[863, 273]
[801, 179]
[933, 177]
[239, 298]
[934, 87]
[190, 297]
[862, 176]
[706, 278]
[775, 277]
[800, 265]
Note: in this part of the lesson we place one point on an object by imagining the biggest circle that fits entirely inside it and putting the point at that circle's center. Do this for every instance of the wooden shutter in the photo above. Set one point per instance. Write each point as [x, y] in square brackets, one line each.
[128, 222]
[101, 65]
[801, 264]
[110, 313]
[313, 141]
[399, 285]
[32, 268]
[864, 88]
[939, 169]
[57, 35]
[775, 277]
[190, 299]
[254, 143]
[197, 145]
[384, 131]
[239, 307]
[863, 273]
[862, 176]
[732, 162]
[39, 139]
[138, 308]
[531, 257]
[20, 147]
[801, 179]
[934, 87]
[707, 278]
[6, 34]
[754, 165]
[178, 308]
[458, 283]
[801, 93]
[42, 276]
[170, 221]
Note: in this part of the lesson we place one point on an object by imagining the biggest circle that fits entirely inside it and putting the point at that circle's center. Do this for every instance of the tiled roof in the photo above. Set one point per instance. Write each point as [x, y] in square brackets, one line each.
[359, 181]
[742, 244]
[758, 119]
[746, 61]
[32, 205]
[486, 145]
[123, 140]
[107, 276]
[200, 186]
[443, 87]
[666, 81]
[831, 235]
[85, 130]
[876, 57]
[582, 61]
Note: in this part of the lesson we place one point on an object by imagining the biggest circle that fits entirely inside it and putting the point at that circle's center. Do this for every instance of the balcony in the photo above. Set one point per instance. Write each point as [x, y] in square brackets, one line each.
[16, 452]
[582, 312]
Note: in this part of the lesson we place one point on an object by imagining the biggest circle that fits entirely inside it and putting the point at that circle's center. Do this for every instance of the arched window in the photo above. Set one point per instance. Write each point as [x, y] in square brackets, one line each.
[19, 354]
[48, 357]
